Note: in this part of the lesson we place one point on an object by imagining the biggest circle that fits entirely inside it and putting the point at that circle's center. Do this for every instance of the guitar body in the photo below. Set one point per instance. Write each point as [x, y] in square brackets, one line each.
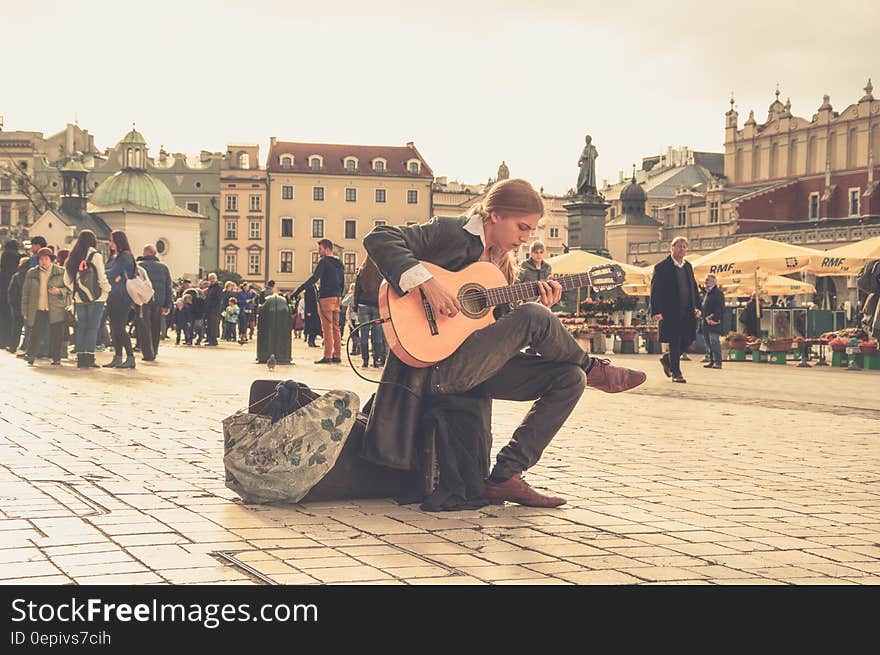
[419, 341]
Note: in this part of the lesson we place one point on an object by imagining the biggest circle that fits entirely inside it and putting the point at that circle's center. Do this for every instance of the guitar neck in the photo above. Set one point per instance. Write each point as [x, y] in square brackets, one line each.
[526, 291]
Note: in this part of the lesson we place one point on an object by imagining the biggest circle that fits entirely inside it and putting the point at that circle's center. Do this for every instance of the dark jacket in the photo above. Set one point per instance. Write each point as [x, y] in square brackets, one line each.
[312, 318]
[392, 433]
[713, 307]
[366, 285]
[198, 308]
[528, 272]
[8, 267]
[665, 300]
[749, 319]
[214, 299]
[331, 273]
[160, 277]
[123, 267]
[16, 284]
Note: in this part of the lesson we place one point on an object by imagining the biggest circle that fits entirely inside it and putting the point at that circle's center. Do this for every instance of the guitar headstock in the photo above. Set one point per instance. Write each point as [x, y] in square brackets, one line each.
[606, 276]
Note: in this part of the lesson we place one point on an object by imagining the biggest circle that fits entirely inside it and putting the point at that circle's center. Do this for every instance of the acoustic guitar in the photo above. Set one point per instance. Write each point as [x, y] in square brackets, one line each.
[421, 339]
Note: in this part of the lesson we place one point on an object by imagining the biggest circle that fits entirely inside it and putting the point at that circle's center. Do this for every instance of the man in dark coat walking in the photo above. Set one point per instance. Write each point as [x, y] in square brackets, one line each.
[149, 324]
[675, 302]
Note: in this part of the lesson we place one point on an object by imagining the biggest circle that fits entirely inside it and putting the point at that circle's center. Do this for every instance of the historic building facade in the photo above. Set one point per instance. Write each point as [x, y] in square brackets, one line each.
[338, 192]
[244, 231]
[455, 199]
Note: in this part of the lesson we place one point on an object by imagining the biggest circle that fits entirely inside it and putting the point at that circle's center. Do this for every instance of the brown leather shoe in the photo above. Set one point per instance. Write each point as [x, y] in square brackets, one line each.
[517, 490]
[667, 367]
[613, 379]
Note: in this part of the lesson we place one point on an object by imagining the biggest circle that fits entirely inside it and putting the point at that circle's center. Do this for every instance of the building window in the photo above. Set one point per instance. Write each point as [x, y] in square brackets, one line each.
[254, 263]
[286, 262]
[318, 193]
[232, 203]
[814, 205]
[193, 207]
[315, 164]
[378, 223]
[231, 261]
[286, 227]
[287, 192]
[554, 232]
[286, 162]
[414, 167]
[682, 215]
[318, 228]
[315, 259]
[231, 229]
[349, 260]
[380, 195]
[244, 160]
[351, 228]
[613, 212]
[350, 166]
[379, 166]
[412, 197]
[351, 195]
[256, 203]
[854, 201]
[5, 215]
[255, 229]
[713, 212]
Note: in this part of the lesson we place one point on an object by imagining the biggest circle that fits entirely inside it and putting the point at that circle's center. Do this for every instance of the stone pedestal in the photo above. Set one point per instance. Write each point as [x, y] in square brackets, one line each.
[586, 223]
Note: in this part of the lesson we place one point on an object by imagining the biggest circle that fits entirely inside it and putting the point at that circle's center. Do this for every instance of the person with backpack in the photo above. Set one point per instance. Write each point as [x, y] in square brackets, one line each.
[86, 278]
[120, 268]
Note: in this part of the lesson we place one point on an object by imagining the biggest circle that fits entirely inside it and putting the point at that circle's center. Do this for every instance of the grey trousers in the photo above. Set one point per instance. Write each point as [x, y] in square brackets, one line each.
[489, 363]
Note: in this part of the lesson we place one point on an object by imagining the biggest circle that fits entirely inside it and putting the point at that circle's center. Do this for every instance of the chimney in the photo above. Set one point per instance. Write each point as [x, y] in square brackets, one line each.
[620, 176]
[68, 141]
[410, 144]
[272, 141]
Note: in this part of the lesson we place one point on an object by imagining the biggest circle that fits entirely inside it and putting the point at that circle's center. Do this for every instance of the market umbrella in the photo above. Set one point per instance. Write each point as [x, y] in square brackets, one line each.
[756, 257]
[845, 260]
[775, 285]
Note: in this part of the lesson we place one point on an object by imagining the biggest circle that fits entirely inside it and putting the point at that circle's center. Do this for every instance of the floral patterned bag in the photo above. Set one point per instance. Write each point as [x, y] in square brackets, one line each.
[280, 462]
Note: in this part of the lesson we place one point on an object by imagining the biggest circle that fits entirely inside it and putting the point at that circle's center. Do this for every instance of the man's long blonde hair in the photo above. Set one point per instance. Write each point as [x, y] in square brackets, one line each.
[512, 198]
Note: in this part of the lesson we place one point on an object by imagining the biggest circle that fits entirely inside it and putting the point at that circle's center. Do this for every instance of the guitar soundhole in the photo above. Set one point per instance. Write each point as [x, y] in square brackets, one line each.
[472, 298]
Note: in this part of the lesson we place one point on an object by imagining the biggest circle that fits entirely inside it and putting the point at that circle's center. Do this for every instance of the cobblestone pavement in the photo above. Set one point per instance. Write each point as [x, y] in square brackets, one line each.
[754, 474]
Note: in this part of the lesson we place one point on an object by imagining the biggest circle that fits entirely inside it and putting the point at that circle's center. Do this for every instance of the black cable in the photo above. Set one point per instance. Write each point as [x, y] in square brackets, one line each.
[377, 322]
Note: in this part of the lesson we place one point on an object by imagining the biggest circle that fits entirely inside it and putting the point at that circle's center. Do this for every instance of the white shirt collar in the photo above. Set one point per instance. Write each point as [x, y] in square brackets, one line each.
[475, 227]
[676, 263]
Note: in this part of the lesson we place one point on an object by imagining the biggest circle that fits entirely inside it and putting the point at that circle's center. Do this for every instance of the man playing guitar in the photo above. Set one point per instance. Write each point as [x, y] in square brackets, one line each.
[489, 362]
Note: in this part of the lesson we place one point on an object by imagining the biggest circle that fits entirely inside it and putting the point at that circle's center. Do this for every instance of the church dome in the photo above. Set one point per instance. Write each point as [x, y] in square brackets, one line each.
[133, 187]
[134, 137]
[633, 192]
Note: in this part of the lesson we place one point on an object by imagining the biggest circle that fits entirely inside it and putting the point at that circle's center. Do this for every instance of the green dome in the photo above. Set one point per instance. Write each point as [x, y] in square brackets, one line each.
[134, 188]
[134, 137]
[74, 166]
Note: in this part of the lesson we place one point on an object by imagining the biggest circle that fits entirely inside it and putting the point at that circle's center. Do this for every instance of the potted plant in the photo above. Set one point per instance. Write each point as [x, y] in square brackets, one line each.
[838, 345]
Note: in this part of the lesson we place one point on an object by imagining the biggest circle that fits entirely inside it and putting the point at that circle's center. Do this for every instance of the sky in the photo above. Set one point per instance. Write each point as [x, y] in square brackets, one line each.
[471, 83]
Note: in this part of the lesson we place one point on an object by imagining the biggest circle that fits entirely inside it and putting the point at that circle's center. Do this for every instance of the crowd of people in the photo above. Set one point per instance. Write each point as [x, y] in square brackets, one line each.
[56, 301]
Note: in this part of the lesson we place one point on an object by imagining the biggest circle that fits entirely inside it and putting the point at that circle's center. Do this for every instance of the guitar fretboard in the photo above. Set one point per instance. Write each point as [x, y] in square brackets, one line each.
[526, 291]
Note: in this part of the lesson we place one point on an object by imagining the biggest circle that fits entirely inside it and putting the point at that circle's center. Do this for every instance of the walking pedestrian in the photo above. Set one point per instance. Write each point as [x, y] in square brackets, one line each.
[44, 305]
[151, 313]
[120, 268]
[86, 278]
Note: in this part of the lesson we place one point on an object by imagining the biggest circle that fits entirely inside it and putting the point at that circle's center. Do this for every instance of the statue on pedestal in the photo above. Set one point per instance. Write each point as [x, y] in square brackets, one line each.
[586, 184]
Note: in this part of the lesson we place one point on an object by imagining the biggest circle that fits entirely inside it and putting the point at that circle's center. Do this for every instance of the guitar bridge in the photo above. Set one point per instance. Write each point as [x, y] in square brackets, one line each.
[429, 314]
